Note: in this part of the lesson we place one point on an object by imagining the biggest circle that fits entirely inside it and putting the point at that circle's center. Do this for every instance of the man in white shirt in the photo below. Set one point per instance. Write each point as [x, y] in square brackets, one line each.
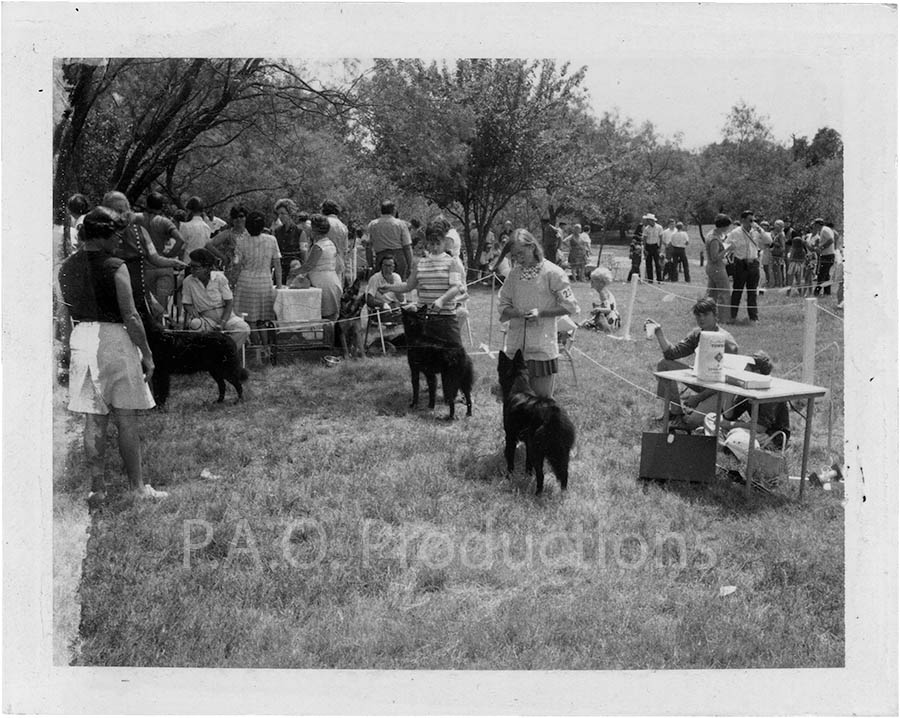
[744, 244]
[678, 241]
[824, 246]
[652, 238]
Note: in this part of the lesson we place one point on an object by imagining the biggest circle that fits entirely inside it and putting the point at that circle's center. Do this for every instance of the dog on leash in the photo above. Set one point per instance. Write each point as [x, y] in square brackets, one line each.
[190, 352]
[431, 355]
[539, 421]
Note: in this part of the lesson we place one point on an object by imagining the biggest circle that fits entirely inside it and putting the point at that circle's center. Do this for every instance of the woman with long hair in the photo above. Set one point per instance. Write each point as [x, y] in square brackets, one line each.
[536, 292]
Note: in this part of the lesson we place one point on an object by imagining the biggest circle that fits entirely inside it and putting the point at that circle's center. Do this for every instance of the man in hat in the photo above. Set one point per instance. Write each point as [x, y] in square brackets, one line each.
[652, 238]
[744, 244]
[823, 246]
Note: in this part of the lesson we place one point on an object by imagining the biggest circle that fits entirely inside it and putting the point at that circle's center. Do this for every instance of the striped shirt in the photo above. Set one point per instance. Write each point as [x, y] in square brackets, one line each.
[435, 275]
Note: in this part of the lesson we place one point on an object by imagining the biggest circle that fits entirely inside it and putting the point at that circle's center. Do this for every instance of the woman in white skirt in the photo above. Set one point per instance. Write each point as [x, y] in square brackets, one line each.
[111, 363]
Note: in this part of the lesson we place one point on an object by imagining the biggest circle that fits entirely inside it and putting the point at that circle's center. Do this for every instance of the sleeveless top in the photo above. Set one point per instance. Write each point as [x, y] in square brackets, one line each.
[88, 287]
[433, 274]
[328, 258]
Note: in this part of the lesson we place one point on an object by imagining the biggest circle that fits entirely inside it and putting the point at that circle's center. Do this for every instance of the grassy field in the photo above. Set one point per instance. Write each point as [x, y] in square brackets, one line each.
[342, 530]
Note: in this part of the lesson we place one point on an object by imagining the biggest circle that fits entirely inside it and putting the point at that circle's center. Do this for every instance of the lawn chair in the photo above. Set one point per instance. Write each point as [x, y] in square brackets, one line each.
[565, 338]
[382, 320]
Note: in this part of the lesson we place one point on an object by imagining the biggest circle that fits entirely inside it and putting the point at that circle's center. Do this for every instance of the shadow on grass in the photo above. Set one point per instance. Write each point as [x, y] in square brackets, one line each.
[722, 493]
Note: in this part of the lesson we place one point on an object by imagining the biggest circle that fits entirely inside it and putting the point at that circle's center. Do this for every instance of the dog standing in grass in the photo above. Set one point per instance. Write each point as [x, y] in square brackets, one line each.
[539, 421]
[430, 355]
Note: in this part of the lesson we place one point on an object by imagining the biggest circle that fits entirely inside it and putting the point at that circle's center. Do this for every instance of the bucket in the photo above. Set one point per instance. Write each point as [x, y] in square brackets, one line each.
[708, 359]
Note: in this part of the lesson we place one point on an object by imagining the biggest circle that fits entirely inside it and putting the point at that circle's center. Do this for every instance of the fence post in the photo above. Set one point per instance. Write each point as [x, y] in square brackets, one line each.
[809, 341]
[629, 313]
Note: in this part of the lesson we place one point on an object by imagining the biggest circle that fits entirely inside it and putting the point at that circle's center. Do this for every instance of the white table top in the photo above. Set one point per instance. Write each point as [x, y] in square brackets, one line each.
[781, 389]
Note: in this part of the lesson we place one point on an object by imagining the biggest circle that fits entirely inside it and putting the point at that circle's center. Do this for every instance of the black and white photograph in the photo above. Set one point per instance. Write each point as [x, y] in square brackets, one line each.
[450, 358]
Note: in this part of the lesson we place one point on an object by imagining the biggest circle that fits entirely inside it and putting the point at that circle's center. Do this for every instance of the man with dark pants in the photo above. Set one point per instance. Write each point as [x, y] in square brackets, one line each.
[823, 245]
[652, 236]
[744, 244]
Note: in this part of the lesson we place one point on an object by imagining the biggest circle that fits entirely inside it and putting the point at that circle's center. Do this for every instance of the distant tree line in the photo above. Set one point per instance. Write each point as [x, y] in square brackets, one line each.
[478, 139]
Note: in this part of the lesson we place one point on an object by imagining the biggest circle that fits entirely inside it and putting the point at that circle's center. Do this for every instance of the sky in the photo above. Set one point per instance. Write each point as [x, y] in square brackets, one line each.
[693, 96]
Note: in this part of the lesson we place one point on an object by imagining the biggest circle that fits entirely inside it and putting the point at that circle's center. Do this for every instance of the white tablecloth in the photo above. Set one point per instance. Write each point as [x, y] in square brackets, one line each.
[298, 305]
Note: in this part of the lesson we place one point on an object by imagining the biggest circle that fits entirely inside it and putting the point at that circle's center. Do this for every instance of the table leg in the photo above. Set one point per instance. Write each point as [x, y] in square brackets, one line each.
[666, 413]
[718, 414]
[754, 415]
[810, 404]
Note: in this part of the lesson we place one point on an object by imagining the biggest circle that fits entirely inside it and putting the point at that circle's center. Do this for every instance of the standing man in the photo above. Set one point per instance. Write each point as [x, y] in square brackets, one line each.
[167, 241]
[777, 252]
[743, 243]
[679, 240]
[389, 237]
[652, 238]
[288, 234]
[551, 239]
[765, 252]
[337, 234]
[823, 245]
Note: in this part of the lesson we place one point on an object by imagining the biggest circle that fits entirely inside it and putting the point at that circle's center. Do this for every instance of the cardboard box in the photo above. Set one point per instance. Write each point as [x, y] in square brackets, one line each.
[747, 379]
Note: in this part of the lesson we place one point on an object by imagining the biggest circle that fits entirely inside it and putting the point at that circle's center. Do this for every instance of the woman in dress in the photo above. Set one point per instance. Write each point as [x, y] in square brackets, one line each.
[111, 362]
[258, 257]
[717, 285]
[533, 296]
[320, 267]
[224, 244]
[438, 278]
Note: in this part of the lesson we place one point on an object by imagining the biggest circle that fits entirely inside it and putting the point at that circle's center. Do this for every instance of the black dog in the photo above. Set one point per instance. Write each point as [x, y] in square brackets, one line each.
[431, 354]
[190, 352]
[538, 421]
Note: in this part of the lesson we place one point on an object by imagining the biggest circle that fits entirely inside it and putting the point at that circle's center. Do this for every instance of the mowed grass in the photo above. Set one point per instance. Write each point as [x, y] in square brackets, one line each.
[343, 530]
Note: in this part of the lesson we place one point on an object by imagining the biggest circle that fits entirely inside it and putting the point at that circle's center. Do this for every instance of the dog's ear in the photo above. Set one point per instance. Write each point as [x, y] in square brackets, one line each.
[502, 360]
[519, 358]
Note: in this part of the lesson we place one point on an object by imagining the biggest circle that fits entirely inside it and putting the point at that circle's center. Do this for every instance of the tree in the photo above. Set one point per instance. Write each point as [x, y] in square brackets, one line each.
[472, 137]
[130, 122]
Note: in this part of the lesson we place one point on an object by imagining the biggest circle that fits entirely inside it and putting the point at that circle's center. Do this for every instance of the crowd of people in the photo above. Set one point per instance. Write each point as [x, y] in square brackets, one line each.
[744, 257]
[194, 270]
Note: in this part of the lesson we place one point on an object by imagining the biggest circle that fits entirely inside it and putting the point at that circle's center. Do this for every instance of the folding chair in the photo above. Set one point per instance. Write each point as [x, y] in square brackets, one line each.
[382, 323]
[566, 340]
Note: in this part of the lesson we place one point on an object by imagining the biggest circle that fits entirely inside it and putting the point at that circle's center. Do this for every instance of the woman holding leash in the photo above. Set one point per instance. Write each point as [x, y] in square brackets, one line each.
[533, 296]
[111, 362]
[438, 279]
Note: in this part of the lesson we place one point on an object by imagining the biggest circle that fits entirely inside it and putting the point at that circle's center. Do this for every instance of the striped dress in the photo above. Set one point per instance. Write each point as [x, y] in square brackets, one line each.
[255, 293]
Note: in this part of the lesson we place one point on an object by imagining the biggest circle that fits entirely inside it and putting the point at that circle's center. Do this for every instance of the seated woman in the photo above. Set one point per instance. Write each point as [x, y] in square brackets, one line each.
[208, 301]
[604, 317]
[387, 303]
